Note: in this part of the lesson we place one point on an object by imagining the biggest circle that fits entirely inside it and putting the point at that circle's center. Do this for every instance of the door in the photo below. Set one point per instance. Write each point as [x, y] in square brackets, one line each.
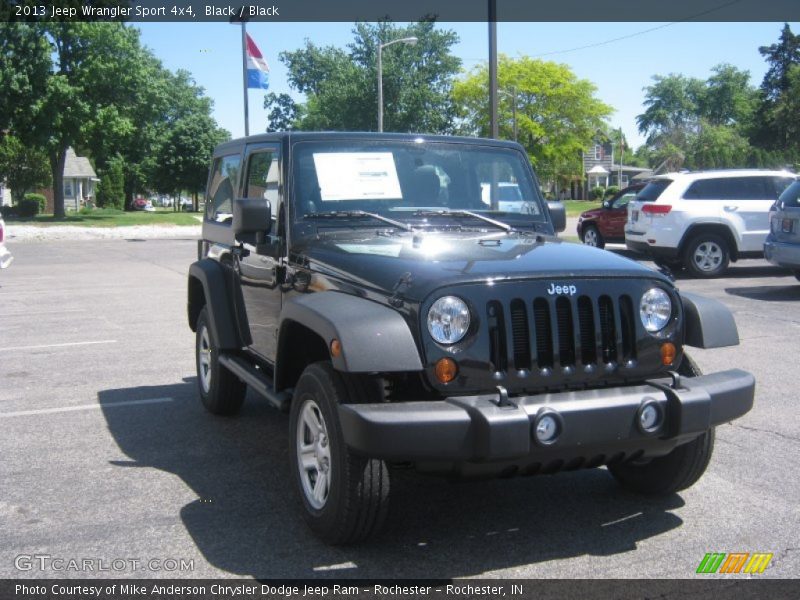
[257, 265]
[616, 217]
[747, 204]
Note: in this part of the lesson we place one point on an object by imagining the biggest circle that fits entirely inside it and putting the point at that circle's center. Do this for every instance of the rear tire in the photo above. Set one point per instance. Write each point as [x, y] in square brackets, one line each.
[707, 255]
[220, 390]
[345, 496]
[591, 237]
[676, 471]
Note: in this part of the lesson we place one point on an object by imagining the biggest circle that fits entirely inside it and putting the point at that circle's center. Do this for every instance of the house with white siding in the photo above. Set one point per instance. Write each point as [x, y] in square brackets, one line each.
[79, 181]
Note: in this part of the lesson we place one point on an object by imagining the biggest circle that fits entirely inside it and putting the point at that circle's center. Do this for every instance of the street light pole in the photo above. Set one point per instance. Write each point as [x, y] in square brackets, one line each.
[407, 40]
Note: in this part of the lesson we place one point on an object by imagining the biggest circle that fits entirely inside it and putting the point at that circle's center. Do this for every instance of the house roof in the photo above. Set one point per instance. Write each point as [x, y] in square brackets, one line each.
[77, 166]
[598, 170]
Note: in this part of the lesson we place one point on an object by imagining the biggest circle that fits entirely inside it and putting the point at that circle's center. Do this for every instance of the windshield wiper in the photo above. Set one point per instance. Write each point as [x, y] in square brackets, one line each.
[354, 214]
[464, 213]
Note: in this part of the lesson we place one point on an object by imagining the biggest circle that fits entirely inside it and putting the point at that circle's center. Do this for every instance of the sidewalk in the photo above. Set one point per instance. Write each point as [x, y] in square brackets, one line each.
[31, 233]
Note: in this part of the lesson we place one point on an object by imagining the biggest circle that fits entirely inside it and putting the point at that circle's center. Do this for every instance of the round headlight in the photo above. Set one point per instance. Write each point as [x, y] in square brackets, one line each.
[655, 309]
[448, 319]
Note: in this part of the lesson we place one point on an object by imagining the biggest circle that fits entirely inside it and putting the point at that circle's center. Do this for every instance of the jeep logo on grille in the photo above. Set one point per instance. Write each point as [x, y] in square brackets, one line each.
[568, 290]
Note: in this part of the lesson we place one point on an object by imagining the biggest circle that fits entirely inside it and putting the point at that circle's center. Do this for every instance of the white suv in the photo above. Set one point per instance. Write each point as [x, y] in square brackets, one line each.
[706, 219]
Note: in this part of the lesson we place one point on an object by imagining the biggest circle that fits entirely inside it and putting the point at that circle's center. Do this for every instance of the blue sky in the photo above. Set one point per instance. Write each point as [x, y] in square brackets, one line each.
[619, 58]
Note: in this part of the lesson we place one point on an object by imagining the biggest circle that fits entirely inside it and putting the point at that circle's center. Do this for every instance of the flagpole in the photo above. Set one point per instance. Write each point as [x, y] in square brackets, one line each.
[244, 79]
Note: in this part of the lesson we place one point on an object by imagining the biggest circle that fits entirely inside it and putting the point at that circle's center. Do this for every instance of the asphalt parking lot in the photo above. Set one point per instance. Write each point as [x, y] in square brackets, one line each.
[108, 455]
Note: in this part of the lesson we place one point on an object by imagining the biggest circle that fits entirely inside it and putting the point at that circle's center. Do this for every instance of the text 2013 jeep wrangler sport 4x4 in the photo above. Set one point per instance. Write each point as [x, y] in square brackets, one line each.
[375, 286]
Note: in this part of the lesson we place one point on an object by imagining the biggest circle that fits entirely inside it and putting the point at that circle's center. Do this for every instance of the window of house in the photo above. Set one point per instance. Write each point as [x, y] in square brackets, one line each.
[69, 192]
[598, 152]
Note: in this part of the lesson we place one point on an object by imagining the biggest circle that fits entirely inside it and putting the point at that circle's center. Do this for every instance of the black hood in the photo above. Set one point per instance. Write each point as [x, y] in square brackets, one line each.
[437, 259]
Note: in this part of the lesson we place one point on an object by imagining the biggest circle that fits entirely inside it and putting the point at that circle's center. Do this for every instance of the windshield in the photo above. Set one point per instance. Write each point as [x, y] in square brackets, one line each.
[409, 182]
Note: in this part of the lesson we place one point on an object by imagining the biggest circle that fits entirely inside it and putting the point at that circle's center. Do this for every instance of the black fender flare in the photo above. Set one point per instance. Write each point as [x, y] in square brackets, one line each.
[222, 296]
[373, 337]
[709, 323]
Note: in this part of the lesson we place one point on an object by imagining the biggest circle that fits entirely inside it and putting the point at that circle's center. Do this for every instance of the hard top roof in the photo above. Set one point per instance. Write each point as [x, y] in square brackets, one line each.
[304, 136]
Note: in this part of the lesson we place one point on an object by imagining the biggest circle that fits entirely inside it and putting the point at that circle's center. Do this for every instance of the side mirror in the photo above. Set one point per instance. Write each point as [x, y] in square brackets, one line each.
[606, 203]
[558, 213]
[251, 216]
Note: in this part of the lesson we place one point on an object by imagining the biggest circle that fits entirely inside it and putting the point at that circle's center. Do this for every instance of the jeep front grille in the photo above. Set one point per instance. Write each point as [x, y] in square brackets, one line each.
[566, 332]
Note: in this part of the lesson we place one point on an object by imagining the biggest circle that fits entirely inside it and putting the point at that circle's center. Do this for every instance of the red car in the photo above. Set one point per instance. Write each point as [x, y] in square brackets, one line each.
[607, 224]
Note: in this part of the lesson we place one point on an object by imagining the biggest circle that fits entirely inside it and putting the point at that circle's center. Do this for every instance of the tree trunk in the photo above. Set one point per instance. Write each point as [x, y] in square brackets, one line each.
[195, 205]
[57, 160]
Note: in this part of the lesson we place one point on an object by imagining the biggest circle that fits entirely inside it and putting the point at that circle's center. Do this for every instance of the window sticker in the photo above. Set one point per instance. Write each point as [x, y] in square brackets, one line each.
[357, 176]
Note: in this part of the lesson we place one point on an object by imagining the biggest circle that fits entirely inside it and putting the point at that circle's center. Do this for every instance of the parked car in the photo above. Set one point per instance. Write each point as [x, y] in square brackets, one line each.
[704, 220]
[600, 226]
[782, 247]
[5, 256]
[139, 204]
[399, 319]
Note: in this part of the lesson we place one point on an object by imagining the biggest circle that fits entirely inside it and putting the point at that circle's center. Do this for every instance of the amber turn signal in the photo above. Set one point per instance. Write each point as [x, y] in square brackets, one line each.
[336, 348]
[667, 354]
[446, 370]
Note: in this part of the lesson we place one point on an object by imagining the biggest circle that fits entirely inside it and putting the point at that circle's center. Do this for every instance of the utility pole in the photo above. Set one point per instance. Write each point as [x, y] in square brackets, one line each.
[494, 130]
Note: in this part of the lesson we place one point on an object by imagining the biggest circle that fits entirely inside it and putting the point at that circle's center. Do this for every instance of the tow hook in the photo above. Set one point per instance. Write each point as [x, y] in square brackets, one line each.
[502, 397]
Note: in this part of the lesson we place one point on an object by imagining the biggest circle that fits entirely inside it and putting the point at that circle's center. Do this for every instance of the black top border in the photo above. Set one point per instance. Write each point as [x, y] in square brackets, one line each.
[407, 10]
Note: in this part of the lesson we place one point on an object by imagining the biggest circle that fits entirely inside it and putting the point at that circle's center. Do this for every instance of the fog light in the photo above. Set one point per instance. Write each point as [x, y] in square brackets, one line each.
[649, 417]
[446, 370]
[547, 428]
[667, 354]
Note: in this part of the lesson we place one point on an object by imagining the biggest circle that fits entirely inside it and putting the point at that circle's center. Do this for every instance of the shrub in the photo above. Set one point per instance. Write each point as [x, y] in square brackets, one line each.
[31, 205]
[598, 193]
[611, 190]
[8, 211]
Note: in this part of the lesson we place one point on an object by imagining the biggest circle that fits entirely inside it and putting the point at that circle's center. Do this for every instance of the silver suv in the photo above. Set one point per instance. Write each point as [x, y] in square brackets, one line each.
[782, 247]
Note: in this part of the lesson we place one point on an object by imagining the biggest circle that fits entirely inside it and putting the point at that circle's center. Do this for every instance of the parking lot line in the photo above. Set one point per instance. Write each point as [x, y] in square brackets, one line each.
[64, 345]
[47, 411]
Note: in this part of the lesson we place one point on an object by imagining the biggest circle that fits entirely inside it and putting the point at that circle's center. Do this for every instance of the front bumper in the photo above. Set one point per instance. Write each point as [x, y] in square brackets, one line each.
[594, 423]
[782, 254]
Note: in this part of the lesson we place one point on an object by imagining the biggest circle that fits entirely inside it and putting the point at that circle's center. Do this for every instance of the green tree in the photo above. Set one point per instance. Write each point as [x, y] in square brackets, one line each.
[183, 156]
[780, 57]
[111, 189]
[777, 114]
[93, 72]
[341, 85]
[673, 110]
[728, 98]
[283, 112]
[718, 147]
[557, 113]
[24, 168]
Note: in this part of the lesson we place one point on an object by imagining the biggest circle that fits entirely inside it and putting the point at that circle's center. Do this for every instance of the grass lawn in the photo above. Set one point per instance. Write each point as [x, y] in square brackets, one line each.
[109, 217]
[576, 207]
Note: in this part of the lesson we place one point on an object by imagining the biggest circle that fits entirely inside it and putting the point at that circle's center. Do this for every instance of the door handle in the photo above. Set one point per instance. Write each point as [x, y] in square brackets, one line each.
[731, 208]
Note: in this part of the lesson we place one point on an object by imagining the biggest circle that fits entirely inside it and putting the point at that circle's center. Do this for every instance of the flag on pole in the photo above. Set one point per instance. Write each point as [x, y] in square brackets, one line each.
[257, 67]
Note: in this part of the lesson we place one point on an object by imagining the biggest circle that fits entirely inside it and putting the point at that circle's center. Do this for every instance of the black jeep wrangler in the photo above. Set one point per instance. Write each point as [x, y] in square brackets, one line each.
[405, 298]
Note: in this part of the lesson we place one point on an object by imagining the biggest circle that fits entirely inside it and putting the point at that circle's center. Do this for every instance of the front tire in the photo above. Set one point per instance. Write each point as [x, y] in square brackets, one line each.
[707, 255]
[678, 470]
[591, 237]
[220, 390]
[345, 496]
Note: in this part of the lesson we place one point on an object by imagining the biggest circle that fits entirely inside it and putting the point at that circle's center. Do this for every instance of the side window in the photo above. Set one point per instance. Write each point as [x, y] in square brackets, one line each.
[750, 188]
[708, 189]
[224, 177]
[263, 171]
